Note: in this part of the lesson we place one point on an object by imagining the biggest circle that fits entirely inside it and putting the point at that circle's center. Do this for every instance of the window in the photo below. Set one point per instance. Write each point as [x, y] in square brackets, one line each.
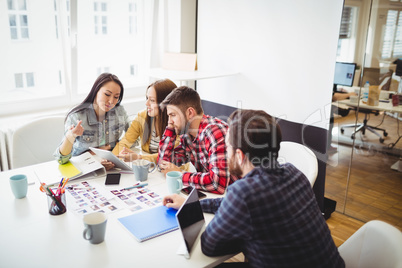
[61, 61]
[55, 19]
[133, 70]
[19, 82]
[24, 80]
[392, 40]
[18, 19]
[101, 70]
[347, 35]
[100, 18]
[132, 19]
[68, 15]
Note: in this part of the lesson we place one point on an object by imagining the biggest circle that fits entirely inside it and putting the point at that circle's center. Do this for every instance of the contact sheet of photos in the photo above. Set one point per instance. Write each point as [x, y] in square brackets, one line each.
[138, 198]
[86, 198]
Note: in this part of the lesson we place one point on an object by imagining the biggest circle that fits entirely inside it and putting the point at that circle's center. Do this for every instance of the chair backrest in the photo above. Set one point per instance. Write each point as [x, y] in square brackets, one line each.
[301, 157]
[375, 244]
[36, 141]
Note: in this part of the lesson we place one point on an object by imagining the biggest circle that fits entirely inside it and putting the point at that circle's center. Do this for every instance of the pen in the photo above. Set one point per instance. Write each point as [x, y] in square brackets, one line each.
[136, 186]
[64, 183]
[79, 188]
[58, 191]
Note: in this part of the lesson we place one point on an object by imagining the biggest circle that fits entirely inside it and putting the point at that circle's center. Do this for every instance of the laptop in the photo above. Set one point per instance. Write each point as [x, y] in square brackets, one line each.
[190, 220]
[108, 155]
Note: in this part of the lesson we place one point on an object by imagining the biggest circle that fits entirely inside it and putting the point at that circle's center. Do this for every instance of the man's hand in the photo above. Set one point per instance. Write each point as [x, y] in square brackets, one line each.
[173, 201]
[166, 166]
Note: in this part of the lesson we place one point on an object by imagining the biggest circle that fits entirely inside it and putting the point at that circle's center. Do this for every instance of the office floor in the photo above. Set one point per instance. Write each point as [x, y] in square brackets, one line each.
[375, 190]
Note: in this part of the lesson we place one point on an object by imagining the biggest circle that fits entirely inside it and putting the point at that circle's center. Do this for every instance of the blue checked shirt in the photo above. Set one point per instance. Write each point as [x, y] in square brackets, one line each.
[271, 215]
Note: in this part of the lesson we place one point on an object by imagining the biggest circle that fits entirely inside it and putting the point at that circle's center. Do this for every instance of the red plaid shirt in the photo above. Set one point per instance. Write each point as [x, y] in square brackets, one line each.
[207, 152]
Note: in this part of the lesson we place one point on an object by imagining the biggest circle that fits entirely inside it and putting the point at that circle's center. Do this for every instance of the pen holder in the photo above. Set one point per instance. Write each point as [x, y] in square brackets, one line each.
[56, 204]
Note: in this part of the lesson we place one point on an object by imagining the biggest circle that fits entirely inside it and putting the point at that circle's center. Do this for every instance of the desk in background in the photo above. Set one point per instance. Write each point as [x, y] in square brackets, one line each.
[31, 237]
[383, 106]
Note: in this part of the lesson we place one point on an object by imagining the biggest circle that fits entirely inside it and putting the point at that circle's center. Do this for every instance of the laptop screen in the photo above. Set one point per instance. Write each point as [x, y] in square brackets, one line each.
[190, 219]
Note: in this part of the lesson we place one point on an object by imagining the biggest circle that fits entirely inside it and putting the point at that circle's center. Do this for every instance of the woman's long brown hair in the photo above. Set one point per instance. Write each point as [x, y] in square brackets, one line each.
[162, 88]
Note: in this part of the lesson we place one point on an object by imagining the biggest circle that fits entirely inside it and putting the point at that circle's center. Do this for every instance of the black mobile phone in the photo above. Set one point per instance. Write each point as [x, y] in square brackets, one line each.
[188, 190]
[112, 179]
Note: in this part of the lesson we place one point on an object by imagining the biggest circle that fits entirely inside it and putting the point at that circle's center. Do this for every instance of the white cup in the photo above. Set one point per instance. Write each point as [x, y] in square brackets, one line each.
[95, 227]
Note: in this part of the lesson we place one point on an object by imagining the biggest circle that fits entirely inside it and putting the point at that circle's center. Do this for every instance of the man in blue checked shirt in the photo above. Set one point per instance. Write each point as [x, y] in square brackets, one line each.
[271, 214]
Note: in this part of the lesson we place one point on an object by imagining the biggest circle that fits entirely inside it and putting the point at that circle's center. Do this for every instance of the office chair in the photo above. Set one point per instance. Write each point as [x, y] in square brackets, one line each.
[301, 157]
[375, 244]
[36, 141]
[364, 126]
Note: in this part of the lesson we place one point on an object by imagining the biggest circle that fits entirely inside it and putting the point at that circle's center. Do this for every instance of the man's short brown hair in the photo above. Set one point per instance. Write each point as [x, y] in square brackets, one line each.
[184, 97]
[256, 134]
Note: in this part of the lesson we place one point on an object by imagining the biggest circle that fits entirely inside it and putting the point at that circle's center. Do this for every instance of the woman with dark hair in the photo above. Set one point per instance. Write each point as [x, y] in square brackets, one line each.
[148, 125]
[99, 121]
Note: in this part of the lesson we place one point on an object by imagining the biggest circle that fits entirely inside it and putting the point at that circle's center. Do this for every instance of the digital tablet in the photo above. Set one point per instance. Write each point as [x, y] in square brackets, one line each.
[191, 220]
[108, 155]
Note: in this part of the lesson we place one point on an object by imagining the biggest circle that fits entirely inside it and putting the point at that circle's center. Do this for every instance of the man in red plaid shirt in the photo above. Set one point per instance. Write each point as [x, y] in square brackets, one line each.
[202, 142]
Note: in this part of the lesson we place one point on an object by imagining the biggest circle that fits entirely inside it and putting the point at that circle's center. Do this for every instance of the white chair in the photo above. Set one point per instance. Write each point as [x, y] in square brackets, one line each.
[375, 244]
[301, 157]
[36, 141]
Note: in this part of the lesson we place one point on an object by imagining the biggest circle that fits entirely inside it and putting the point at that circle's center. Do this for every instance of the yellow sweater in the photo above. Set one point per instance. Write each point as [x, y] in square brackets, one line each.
[136, 130]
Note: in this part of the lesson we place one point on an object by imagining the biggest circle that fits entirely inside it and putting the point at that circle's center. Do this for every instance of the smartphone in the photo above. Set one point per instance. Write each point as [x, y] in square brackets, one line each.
[188, 190]
[112, 179]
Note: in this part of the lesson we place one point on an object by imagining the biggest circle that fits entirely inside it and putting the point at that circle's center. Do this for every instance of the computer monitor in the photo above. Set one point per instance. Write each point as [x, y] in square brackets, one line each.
[344, 74]
[398, 70]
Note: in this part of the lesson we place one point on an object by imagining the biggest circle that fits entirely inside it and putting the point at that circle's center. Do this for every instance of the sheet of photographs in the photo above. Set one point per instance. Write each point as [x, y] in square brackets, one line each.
[86, 198]
[138, 198]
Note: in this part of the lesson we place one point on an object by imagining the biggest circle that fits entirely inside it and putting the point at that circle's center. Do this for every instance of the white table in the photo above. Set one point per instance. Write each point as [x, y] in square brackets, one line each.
[31, 237]
[383, 106]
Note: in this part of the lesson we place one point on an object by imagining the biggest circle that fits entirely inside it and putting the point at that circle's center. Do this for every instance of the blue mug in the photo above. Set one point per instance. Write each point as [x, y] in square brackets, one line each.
[19, 185]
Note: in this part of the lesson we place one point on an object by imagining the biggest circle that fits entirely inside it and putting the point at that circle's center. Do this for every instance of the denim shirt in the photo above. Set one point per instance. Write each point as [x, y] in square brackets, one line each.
[96, 133]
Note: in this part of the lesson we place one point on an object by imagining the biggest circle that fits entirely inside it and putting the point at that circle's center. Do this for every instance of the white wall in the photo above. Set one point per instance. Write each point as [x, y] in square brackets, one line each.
[284, 52]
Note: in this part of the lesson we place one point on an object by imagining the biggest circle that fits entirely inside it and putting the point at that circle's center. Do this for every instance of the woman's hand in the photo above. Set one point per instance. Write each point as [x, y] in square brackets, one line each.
[107, 164]
[128, 155]
[75, 131]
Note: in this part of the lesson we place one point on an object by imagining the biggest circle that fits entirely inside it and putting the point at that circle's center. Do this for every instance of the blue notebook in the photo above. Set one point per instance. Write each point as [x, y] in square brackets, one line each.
[150, 223]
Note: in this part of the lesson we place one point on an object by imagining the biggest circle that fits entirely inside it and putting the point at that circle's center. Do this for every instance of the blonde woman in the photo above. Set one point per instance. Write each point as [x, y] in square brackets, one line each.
[148, 126]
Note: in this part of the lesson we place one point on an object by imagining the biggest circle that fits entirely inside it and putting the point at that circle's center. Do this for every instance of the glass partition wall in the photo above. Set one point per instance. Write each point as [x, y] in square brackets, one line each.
[362, 171]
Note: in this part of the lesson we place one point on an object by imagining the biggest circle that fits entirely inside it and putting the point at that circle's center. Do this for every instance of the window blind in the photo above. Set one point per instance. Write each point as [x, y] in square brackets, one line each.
[346, 23]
